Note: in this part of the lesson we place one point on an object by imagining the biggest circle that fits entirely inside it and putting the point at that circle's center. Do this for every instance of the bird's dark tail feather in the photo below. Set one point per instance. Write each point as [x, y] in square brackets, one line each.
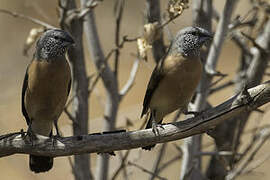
[40, 164]
[149, 125]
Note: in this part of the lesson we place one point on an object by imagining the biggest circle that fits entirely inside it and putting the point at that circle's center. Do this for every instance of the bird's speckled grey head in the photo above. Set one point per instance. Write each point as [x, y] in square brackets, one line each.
[189, 40]
[52, 44]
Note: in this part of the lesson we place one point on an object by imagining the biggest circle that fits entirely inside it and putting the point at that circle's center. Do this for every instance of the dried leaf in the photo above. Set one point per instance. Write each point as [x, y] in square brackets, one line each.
[143, 46]
[176, 7]
[151, 32]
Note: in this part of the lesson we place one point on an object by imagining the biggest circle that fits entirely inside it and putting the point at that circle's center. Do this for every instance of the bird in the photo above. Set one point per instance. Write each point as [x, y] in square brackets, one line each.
[175, 77]
[45, 90]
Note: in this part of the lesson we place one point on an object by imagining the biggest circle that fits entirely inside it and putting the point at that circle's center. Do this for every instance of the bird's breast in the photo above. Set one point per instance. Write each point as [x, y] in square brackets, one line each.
[181, 77]
[47, 88]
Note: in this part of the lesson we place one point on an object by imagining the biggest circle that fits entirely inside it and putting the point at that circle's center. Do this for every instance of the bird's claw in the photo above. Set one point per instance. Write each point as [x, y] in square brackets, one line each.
[31, 135]
[195, 113]
[55, 138]
[155, 127]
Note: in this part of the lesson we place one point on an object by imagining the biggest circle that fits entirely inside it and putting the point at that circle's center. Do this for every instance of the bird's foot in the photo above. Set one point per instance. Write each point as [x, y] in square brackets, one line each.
[31, 135]
[55, 138]
[155, 127]
[23, 134]
[194, 113]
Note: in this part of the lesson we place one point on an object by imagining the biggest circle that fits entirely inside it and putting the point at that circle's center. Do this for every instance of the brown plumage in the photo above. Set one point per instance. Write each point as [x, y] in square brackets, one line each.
[175, 78]
[45, 89]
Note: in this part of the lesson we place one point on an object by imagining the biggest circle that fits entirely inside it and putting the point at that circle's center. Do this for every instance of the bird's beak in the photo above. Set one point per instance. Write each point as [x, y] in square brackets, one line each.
[206, 38]
[69, 42]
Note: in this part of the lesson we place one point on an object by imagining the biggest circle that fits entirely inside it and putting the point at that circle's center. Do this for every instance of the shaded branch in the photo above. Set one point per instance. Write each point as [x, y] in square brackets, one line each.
[107, 142]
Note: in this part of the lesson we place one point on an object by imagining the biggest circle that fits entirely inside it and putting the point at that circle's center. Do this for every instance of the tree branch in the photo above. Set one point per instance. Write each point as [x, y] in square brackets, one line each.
[80, 108]
[107, 142]
[31, 19]
[109, 81]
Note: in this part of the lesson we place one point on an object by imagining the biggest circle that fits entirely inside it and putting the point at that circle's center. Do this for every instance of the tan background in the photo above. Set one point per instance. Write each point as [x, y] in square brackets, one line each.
[13, 33]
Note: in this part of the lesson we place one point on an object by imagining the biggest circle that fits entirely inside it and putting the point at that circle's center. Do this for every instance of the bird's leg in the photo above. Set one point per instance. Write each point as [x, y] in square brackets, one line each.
[30, 133]
[186, 112]
[57, 132]
[195, 113]
[154, 123]
[56, 127]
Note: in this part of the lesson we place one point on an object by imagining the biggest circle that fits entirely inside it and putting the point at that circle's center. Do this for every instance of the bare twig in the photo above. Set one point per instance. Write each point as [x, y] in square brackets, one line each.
[80, 106]
[221, 87]
[238, 38]
[118, 10]
[70, 116]
[122, 166]
[256, 164]
[263, 136]
[31, 19]
[109, 81]
[202, 10]
[131, 79]
[162, 150]
[217, 153]
[169, 162]
[220, 35]
[145, 170]
[254, 42]
[153, 16]
[93, 84]
[250, 73]
[221, 77]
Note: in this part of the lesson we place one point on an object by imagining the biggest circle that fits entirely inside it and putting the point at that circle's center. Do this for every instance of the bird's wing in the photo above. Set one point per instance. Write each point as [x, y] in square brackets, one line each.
[155, 79]
[25, 84]
[156, 76]
[69, 87]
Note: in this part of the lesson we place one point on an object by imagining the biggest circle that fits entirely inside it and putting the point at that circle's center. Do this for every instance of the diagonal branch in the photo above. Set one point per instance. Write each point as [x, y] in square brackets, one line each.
[130, 81]
[107, 142]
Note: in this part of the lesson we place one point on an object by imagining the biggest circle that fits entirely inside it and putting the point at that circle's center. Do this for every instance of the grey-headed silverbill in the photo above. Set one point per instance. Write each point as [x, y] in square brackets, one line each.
[175, 77]
[45, 89]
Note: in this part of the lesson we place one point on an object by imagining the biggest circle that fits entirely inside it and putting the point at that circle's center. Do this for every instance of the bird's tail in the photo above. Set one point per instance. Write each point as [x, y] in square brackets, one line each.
[40, 164]
[149, 125]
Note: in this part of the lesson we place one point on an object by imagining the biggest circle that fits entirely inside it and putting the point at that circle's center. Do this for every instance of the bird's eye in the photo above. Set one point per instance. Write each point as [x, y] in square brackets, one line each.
[194, 33]
[56, 37]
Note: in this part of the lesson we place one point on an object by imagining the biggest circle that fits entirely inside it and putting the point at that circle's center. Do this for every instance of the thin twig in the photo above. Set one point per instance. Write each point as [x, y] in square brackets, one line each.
[262, 138]
[256, 164]
[169, 162]
[167, 22]
[93, 85]
[217, 153]
[145, 170]
[70, 116]
[221, 77]
[221, 87]
[118, 10]
[122, 165]
[163, 150]
[31, 19]
[130, 81]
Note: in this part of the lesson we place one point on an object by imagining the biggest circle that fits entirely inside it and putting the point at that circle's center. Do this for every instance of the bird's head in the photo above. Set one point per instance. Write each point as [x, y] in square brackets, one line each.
[189, 40]
[52, 44]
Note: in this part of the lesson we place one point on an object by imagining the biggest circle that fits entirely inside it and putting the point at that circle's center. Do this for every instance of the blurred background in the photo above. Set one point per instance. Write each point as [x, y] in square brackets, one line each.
[13, 34]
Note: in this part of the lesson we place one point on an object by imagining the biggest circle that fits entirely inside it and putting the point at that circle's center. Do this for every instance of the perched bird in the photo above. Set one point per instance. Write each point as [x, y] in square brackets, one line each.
[45, 89]
[175, 78]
